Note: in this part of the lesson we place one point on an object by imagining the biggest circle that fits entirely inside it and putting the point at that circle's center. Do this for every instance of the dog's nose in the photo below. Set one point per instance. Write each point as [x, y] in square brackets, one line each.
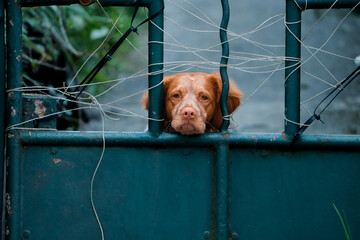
[188, 113]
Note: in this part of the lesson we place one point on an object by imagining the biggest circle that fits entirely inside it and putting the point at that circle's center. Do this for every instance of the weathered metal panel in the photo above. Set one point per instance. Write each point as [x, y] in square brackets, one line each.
[290, 194]
[148, 188]
[166, 186]
[140, 193]
[41, 110]
[14, 99]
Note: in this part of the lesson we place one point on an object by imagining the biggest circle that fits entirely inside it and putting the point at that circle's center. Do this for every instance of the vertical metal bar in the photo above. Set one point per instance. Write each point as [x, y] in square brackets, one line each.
[14, 112]
[156, 58]
[222, 192]
[292, 71]
[13, 186]
[14, 62]
[2, 116]
[223, 63]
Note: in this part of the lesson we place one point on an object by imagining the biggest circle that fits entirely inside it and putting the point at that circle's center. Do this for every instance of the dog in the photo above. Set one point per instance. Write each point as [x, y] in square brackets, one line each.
[192, 102]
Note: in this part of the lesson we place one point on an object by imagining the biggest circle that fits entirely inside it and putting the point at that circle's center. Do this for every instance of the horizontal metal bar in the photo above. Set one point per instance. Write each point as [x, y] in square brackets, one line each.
[33, 3]
[65, 138]
[323, 4]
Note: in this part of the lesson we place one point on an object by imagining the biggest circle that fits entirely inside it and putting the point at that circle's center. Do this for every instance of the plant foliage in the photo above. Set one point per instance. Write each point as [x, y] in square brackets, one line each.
[57, 40]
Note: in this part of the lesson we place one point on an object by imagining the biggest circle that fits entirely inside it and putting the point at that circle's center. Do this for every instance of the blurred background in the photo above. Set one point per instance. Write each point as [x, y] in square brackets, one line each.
[63, 44]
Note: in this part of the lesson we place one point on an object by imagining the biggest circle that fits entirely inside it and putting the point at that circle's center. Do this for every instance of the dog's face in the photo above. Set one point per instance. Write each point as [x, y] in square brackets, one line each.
[192, 102]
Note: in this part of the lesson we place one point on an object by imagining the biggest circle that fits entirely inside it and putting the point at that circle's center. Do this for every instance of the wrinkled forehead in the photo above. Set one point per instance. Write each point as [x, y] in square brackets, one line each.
[191, 81]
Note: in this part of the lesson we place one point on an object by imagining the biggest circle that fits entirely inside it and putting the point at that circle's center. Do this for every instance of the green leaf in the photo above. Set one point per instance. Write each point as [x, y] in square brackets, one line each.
[99, 33]
[344, 224]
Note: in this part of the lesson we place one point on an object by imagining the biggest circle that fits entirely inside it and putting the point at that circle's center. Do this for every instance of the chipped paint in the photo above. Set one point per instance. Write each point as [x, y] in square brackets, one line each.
[40, 110]
[13, 111]
[42, 175]
[226, 134]
[18, 58]
[10, 135]
[57, 160]
[283, 135]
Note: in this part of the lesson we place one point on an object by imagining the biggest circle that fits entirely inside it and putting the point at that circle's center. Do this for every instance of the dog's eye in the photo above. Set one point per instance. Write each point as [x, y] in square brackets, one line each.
[176, 96]
[204, 98]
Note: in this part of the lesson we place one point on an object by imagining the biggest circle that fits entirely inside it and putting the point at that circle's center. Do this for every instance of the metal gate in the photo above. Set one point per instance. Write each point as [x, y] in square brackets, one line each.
[164, 186]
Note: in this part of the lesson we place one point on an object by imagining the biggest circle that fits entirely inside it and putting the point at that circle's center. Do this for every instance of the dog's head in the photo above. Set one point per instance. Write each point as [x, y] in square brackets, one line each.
[192, 102]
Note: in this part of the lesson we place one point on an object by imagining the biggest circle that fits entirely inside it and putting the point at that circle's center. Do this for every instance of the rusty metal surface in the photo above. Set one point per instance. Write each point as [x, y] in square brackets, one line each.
[2, 115]
[39, 108]
[140, 193]
[273, 141]
[147, 192]
[166, 186]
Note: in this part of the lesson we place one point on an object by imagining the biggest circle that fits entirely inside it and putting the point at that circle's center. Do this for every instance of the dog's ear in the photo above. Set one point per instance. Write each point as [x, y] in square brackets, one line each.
[145, 100]
[233, 100]
[145, 97]
[234, 97]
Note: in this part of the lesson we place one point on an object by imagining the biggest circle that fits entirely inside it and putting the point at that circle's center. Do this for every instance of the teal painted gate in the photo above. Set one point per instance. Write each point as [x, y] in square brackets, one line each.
[165, 186]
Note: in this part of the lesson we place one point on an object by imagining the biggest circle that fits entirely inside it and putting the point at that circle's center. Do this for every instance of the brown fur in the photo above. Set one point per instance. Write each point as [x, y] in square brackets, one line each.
[192, 102]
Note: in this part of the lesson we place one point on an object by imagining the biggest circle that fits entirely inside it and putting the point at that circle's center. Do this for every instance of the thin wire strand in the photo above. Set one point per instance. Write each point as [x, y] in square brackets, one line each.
[92, 54]
[243, 58]
[314, 53]
[114, 24]
[97, 168]
[271, 59]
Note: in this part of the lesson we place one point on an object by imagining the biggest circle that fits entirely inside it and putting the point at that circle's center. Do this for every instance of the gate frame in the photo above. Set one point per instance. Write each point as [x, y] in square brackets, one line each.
[14, 77]
[294, 8]
[2, 117]
[218, 141]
